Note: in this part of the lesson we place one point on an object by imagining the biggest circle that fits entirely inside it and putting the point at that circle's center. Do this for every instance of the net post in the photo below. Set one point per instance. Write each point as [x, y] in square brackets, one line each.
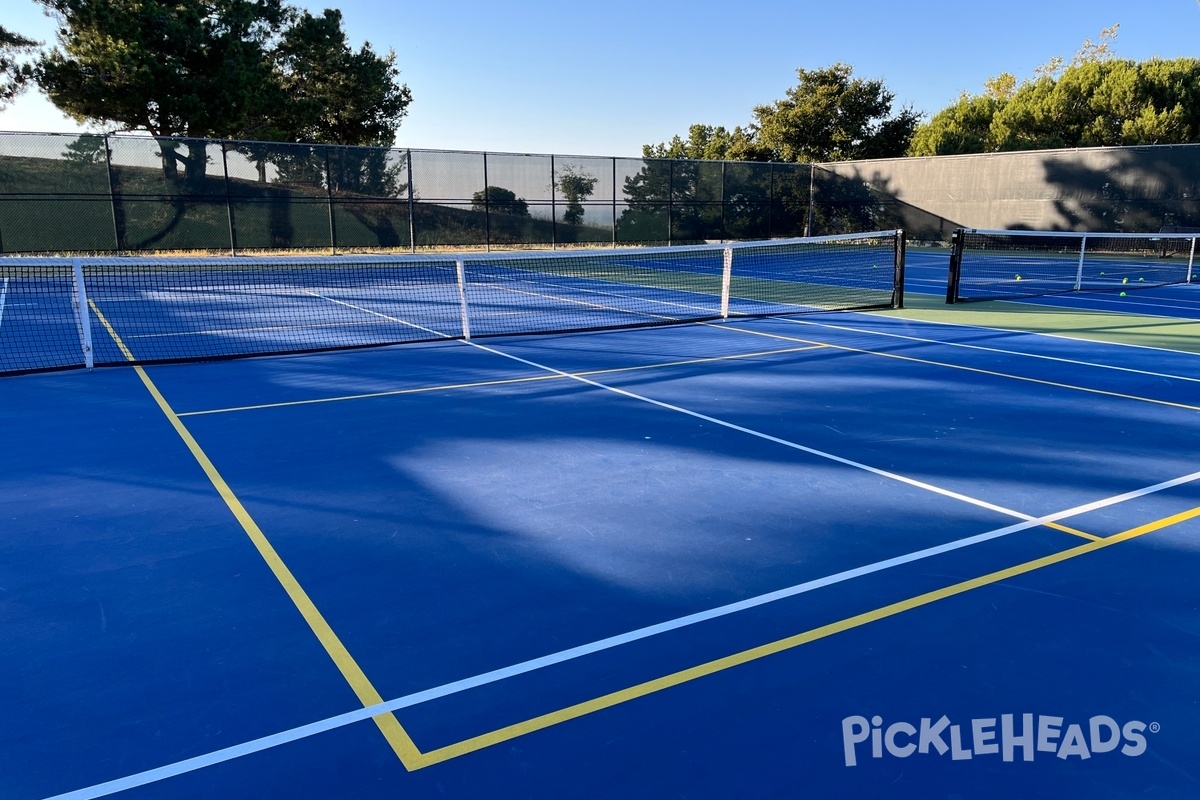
[956, 253]
[726, 274]
[461, 273]
[83, 320]
[1079, 269]
[1191, 260]
[898, 280]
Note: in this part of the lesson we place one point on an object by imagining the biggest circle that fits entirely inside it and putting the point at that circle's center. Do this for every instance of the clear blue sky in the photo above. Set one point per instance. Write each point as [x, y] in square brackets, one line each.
[530, 76]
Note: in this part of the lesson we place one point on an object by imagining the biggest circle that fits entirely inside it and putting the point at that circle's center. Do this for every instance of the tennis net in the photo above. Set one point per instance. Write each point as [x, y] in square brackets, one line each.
[997, 265]
[58, 313]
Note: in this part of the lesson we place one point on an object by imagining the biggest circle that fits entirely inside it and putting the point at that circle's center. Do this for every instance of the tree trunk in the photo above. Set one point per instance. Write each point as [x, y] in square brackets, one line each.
[196, 164]
[169, 157]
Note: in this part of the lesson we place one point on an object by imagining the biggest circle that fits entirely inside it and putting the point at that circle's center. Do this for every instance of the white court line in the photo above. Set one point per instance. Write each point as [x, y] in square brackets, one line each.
[764, 436]
[725, 423]
[455, 687]
[1059, 359]
[3, 300]
[382, 316]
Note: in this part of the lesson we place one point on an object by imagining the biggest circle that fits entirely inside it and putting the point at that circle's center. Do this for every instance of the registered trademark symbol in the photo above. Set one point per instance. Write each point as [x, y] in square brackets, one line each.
[1155, 727]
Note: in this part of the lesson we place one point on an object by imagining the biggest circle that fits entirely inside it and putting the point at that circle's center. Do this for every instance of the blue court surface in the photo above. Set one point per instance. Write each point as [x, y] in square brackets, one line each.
[847, 555]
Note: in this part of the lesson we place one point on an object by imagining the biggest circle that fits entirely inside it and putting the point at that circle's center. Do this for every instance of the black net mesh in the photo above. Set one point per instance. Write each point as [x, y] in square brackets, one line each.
[158, 310]
[822, 274]
[996, 265]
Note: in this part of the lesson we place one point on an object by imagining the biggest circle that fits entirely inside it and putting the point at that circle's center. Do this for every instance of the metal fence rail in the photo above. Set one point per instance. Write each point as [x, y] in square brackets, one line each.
[124, 194]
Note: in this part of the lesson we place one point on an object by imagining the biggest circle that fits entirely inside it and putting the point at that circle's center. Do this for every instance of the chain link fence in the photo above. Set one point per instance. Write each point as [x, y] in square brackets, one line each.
[124, 194]
[63, 193]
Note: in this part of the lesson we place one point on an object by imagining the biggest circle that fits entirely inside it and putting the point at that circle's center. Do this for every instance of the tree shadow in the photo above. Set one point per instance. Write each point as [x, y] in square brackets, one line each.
[1137, 189]
[859, 202]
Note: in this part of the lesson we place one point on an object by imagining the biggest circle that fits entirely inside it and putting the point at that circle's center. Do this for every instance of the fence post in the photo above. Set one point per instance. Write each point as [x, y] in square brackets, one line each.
[812, 171]
[670, 200]
[553, 205]
[770, 199]
[412, 220]
[329, 200]
[614, 201]
[723, 200]
[228, 200]
[118, 238]
[487, 210]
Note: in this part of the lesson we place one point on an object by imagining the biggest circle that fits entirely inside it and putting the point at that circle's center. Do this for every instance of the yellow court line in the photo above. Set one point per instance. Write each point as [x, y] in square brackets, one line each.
[755, 653]
[401, 743]
[1073, 531]
[498, 382]
[993, 373]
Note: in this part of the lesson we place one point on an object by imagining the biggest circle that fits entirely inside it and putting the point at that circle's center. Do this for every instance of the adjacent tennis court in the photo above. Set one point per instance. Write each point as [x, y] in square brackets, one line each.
[848, 554]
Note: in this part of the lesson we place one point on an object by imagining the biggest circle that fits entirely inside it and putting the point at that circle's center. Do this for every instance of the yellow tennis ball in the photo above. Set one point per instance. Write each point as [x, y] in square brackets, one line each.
[1124, 280]
[1122, 294]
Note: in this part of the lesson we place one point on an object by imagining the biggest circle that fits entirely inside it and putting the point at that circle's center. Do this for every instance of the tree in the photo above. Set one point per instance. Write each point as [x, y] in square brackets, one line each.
[576, 186]
[830, 115]
[1094, 100]
[499, 200]
[15, 74]
[706, 142]
[336, 95]
[1104, 103]
[239, 69]
[196, 69]
[964, 127]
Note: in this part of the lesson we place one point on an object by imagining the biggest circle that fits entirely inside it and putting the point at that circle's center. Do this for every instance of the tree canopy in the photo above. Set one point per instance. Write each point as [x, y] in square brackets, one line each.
[335, 94]
[830, 115]
[1094, 100]
[196, 69]
[706, 142]
[833, 116]
[499, 200]
[576, 186]
[15, 73]
[250, 69]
